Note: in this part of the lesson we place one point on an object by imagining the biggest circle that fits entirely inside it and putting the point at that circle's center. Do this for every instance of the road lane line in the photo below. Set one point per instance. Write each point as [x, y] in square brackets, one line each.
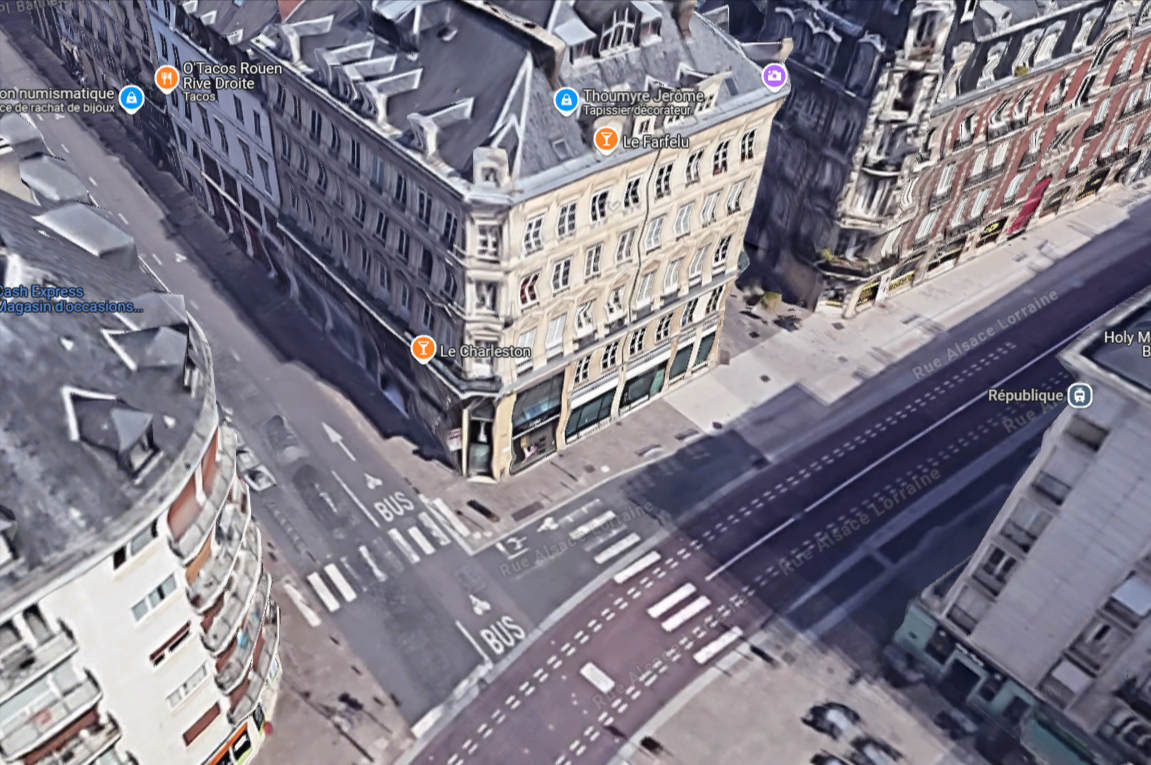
[376, 571]
[65, 148]
[402, 543]
[325, 595]
[92, 181]
[421, 540]
[341, 583]
[294, 595]
[348, 490]
[689, 612]
[717, 646]
[671, 601]
[435, 530]
[121, 217]
[636, 567]
[901, 447]
[475, 645]
[592, 525]
[628, 542]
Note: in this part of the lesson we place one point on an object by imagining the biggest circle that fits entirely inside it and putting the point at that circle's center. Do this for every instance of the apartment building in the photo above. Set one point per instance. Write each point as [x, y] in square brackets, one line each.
[222, 134]
[109, 45]
[952, 126]
[422, 199]
[1045, 629]
[136, 622]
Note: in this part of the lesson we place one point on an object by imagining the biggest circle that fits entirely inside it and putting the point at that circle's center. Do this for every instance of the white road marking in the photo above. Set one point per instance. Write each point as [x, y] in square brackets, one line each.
[121, 217]
[715, 647]
[65, 148]
[475, 645]
[156, 258]
[294, 595]
[628, 542]
[435, 530]
[671, 601]
[592, 525]
[341, 583]
[636, 567]
[689, 612]
[376, 572]
[92, 181]
[325, 595]
[402, 543]
[348, 490]
[179, 258]
[421, 540]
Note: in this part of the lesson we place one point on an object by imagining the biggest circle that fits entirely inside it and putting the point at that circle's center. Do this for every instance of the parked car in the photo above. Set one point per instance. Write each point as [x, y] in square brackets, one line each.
[956, 724]
[823, 758]
[871, 751]
[259, 478]
[245, 460]
[832, 718]
[284, 440]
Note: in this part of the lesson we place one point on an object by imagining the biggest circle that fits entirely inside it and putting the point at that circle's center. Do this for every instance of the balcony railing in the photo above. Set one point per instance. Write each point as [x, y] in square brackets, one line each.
[1112, 158]
[48, 718]
[964, 227]
[238, 663]
[939, 198]
[239, 595]
[1120, 78]
[986, 175]
[1094, 129]
[262, 671]
[962, 142]
[1027, 160]
[86, 746]
[192, 540]
[234, 523]
[21, 671]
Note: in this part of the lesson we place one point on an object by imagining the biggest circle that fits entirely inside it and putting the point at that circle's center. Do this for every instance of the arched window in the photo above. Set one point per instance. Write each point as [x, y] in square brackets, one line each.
[1047, 46]
[1085, 29]
[619, 31]
[993, 57]
[1027, 49]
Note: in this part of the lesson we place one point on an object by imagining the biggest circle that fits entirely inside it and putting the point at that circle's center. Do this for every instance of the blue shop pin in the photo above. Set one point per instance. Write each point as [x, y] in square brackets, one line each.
[567, 101]
[131, 99]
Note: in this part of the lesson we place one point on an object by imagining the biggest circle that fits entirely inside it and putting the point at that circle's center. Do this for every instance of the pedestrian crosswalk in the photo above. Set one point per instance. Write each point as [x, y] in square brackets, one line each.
[679, 608]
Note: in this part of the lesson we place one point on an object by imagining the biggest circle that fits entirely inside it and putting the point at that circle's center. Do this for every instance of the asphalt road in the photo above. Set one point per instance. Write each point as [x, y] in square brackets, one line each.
[760, 548]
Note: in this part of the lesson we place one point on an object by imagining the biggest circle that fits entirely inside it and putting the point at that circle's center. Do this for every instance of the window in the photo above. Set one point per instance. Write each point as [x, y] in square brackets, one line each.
[359, 207]
[969, 608]
[265, 174]
[995, 570]
[163, 46]
[188, 116]
[189, 685]
[381, 231]
[663, 328]
[585, 319]
[427, 264]
[691, 172]
[317, 126]
[620, 31]
[623, 246]
[343, 241]
[599, 207]
[321, 177]
[204, 122]
[1086, 432]
[385, 280]
[488, 241]
[285, 149]
[533, 235]
[747, 146]
[695, 270]
[401, 191]
[635, 343]
[296, 109]
[631, 194]
[423, 206]
[713, 301]
[734, 199]
[566, 224]
[1025, 524]
[154, 598]
[615, 303]
[707, 215]
[561, 275]
[428, 319]
[644, 293]
[926, 226]
[582, 370]
[527, 340]
[1060, 140]
[591, 263]
[170, 645]
[334, 145]
[135, 546]
[377, 178]
[719, 259]
[528, 293]
[719, 159]
[1000, 157]
[980, 203]
[239, 107]
[654, 233]
[688, 315]
[610, 356]
[486, 296]
[247, 154]
[960, 211]
[451, 230]
[1051, 487]
[683, 220]
[257, 125]
[554, 340]
[403, 244]
[671, 276]
[663, 181]
[1013, 189]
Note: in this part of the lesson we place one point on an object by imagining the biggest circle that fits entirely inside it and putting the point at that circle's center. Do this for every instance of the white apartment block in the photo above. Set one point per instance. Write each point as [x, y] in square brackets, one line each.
[1046, 628]
[419, 199]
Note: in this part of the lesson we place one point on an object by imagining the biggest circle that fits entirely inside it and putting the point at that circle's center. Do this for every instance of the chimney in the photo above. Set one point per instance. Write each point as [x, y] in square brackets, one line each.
[681, 11]
[286, 7]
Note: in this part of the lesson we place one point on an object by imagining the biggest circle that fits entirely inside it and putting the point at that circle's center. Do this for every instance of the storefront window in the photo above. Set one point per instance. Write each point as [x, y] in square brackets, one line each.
[704, 349]
[680, 363]
[643, 387]
[537, 404]
[591, 413]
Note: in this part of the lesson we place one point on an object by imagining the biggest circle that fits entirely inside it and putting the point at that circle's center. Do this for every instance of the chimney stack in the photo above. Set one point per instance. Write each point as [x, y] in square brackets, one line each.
[286, 7]
[681, 11]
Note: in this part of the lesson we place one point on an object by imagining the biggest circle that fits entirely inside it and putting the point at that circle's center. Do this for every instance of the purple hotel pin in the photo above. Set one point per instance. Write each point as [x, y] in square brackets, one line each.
[775, 77]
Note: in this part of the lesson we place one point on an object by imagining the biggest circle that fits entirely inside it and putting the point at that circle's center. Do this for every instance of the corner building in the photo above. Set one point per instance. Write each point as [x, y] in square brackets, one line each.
[136, 618]
[1046, 629]
[423, 198]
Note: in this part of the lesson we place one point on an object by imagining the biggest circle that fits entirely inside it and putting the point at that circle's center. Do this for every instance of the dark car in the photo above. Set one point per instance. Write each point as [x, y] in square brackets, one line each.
[832, 718]
[283, 440]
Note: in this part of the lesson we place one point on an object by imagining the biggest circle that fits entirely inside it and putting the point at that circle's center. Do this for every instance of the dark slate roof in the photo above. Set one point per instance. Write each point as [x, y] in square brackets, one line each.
[456, 40]
[234, 20]
[77, 390]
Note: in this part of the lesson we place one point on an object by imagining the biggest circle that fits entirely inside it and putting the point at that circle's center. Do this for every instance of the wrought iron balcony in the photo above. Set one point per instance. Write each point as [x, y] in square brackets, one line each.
[1029, 159]
[192, 540]
[986, 175]
[49, 714]
[1120, 78]
[1112, 158]
[239, 595]
[238, 663]
[1094, 129]
[1052, 106]
[963, 142]
[25, 665]
[229, 535]
[939, 198]
[964, 227]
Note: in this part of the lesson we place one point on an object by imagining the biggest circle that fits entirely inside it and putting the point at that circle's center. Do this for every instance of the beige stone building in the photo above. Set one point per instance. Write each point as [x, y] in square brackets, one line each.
[1047, 627]
[420, 198]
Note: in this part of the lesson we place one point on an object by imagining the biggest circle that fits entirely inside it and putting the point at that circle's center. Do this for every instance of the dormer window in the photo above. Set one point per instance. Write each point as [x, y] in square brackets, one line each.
[1026, 51]
[824, 50]
[1085, 30]
[581, 51]
[993, 57]
[620, 31]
